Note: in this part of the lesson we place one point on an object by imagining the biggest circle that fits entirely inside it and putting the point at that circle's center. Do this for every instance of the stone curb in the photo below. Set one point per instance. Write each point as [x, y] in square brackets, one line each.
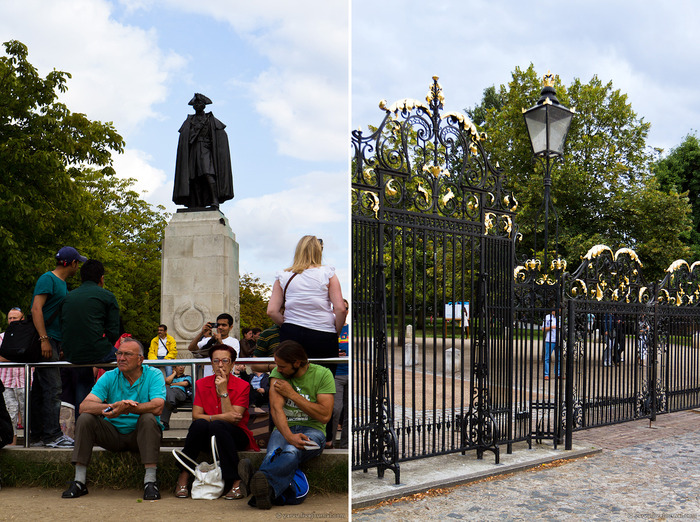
[399, 491]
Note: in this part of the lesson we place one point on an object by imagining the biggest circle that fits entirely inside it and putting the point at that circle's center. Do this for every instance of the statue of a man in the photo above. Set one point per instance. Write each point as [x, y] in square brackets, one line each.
[203, 176]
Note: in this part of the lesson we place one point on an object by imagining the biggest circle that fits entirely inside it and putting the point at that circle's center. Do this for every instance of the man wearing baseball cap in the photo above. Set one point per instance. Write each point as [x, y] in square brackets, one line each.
[49, 291]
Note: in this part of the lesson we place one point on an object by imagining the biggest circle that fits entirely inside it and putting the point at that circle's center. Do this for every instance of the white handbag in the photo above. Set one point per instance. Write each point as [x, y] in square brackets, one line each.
[208, 481]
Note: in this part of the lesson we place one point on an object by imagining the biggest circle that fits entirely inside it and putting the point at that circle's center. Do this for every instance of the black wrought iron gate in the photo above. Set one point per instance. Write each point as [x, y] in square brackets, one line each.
[432, 254]
[449, 348]
[633, 348]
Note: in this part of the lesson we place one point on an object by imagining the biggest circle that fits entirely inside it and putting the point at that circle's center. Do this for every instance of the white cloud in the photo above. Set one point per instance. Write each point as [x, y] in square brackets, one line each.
[274, 222]
[653, 57]
[303, 94]
[119, 72]
[303, 112]
[137, 164]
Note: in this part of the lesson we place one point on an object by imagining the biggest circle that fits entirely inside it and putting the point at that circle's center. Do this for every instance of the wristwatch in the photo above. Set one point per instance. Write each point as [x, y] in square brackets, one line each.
[224, 395]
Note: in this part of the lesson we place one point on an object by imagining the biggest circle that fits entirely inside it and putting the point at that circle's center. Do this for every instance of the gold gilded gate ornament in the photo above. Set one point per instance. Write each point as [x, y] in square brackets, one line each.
[447, 197]
[436, 170]
[407, 104]
[375, 203]
[598, 250]
[435, 92]
[424, 193]
[466, 124]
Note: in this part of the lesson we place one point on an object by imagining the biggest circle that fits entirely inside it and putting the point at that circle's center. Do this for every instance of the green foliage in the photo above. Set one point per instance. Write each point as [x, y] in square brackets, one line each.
[128, 238]
[58, 188]
[603, 189]
[492, 100]
[253, 298]
[42, 149]
[680, 171]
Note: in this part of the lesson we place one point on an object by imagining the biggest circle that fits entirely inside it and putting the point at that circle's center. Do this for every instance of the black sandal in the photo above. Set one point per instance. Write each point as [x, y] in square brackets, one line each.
[75, 490]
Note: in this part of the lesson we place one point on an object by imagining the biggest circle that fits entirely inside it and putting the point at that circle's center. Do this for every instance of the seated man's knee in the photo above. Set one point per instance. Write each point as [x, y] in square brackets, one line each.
[146, 420]
[85, 420]
[273, 453]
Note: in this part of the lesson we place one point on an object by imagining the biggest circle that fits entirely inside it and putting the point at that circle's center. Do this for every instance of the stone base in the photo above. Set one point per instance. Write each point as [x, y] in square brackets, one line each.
[199, 275]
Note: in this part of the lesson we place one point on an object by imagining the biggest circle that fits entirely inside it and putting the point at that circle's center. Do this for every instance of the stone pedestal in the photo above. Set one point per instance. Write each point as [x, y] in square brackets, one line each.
[199, 275]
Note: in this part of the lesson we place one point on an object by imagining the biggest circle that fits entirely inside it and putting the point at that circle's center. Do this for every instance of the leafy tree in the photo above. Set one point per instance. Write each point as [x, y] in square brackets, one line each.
[58, 188]
[680, 171]
[43, 149]
[601, 184]
[127, 238]
[492, 100]
[253, 298]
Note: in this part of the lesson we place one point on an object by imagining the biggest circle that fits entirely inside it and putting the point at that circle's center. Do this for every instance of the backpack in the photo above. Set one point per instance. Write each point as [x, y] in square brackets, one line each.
[21, 343]
[298, 490]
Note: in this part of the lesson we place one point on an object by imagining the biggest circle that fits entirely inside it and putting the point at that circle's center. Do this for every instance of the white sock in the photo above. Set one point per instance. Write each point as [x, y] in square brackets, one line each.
[150, 475]
[81, 473]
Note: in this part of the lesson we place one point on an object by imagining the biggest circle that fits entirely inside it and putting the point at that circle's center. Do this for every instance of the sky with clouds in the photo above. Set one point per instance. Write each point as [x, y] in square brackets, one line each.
[649, 50]
[277, 73]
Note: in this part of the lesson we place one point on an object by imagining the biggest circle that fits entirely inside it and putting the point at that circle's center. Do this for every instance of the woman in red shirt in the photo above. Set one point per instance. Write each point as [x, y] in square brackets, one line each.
[220, 408]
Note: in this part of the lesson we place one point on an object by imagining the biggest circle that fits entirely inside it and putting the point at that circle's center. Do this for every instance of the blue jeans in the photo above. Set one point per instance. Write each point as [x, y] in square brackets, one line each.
[167, 369]
[279, 467]
[46, 401]
[548, 349]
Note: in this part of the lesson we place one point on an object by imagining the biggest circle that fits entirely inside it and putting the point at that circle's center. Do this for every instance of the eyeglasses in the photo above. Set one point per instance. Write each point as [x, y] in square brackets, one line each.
[219, 361]
[16, 308]
[126, 354]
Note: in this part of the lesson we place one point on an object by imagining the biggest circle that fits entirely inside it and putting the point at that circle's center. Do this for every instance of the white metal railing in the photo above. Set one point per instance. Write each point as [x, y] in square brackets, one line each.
[191, 363]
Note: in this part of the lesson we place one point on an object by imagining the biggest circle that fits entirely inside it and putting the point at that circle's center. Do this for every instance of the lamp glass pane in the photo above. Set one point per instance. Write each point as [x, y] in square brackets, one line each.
[559, 122]
[535, 120]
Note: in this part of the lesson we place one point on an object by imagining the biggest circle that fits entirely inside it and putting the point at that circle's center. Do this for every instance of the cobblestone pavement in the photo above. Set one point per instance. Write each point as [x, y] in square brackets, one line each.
[642, 473]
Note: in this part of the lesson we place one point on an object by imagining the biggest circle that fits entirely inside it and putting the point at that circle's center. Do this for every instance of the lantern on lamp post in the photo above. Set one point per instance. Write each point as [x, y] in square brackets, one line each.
[547, 124]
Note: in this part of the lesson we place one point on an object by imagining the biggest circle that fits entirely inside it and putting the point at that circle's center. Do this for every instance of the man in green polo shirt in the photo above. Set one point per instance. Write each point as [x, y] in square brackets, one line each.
[90, 327]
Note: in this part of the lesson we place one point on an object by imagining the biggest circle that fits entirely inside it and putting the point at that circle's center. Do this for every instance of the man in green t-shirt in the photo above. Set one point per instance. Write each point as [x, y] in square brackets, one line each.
[301, 403]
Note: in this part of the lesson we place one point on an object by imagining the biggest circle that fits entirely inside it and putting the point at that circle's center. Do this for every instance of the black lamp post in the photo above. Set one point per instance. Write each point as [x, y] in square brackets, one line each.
[547, 125]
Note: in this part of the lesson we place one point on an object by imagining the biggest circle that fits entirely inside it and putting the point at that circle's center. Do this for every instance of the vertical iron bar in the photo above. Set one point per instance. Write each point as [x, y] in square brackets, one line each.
[569, 400]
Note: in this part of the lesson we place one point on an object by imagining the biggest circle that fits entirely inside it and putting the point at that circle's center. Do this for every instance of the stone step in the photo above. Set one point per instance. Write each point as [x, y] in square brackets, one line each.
[64, 454]
[24, 466]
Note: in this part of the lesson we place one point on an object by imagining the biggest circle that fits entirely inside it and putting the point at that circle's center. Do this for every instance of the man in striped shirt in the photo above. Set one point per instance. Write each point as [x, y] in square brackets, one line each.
[13, 380]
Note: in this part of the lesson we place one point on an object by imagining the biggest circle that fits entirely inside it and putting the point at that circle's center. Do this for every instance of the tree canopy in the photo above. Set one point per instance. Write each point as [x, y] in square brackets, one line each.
[253, 298]
[58, 187]
[680, 172]
[603, 189]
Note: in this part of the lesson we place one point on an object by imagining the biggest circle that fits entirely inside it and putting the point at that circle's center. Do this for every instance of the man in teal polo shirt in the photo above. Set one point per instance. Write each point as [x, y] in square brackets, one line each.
[121, 413]
[49, 291]
[90, 327]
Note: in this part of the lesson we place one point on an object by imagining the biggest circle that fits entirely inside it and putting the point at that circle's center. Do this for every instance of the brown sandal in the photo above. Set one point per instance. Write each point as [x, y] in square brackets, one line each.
[234, 494]
[181, 491]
